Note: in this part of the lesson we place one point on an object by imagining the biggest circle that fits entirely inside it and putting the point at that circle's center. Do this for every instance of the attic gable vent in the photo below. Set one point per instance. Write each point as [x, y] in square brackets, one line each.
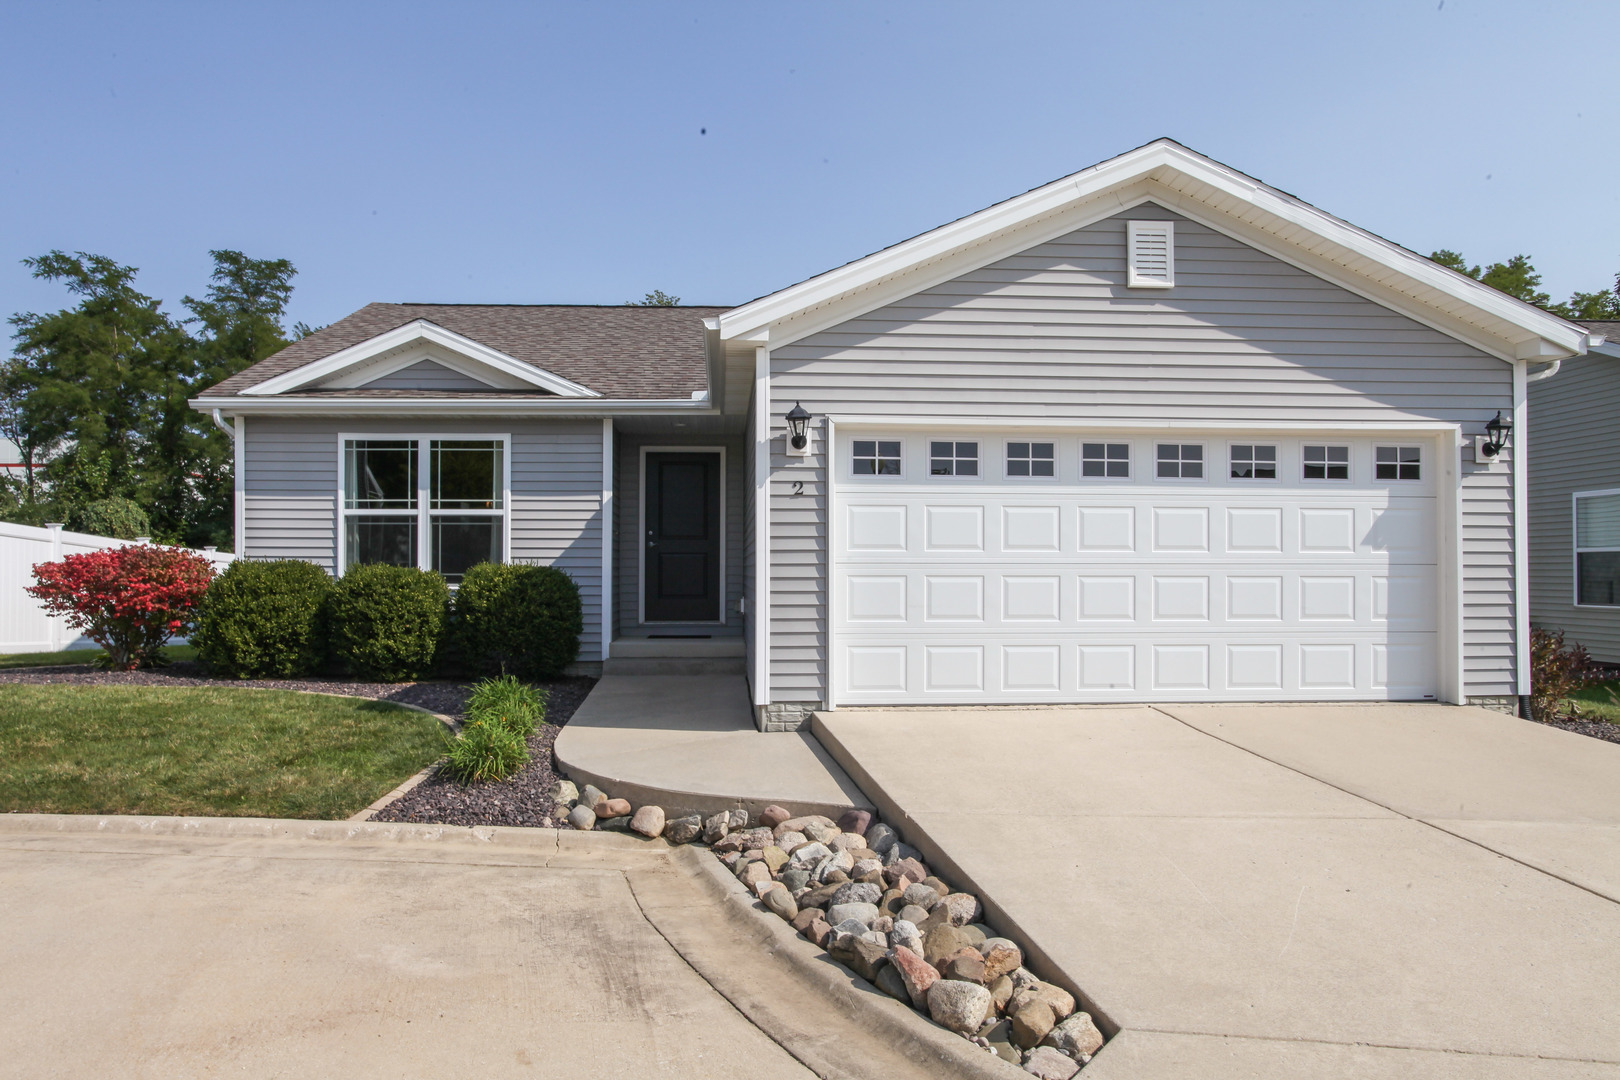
[1150, 254]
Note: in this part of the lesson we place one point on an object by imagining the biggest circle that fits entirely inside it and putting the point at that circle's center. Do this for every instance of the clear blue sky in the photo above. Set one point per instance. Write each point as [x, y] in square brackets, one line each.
[588, 153]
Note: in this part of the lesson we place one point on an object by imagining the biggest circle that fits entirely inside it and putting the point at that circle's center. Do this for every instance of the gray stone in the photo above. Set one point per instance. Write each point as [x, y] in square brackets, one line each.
[923, 896]
[822, 834]
[620, 823]
[877, 938]
[880, 838]
[591, 796]
[889, 981]
[855, 821]
[997, 1034]
[794, 878]
[898, 852]
[564, 793]
[809, 854]
[753, 874]
[582, 817]
[867, 870]
[1076, 1036]
[963, 907]
[906, 934]
[789, 840]
[1047, 1064]
[797, 824]
[757, 839]
[960, 1006]
[1023, 979]
[845, 841]
[857, 892]
[738, 820]
[648, 821]
[683, 830]
[865, 957]
[975, 936]
[912, 914]
[860, 912]
[716, 827]
[883, 923]
[780, 902]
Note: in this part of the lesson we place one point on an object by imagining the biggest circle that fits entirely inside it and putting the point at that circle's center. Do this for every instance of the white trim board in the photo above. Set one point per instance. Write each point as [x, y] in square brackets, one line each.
[608, 535]
[641, 535]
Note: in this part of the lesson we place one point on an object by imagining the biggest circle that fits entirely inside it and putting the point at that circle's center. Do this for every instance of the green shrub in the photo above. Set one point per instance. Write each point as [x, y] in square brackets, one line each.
[516, 706]
[117, 517]
[485, 750]
[1556, 672]
[264, 619]
[519, 620]
[387, 622]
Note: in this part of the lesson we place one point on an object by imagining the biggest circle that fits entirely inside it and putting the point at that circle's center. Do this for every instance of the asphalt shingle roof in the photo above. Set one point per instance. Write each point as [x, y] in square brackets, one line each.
[620, 352]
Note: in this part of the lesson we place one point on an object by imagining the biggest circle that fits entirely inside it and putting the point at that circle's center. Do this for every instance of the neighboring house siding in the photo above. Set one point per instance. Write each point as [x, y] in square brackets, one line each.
[556, 512]
[750, 548]
[627, 556]
[1052, 333]
[426, 375]
[1569, 452]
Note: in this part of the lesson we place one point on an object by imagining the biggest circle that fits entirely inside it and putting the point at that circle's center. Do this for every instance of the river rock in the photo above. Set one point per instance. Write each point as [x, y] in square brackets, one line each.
[911, 869]
[882, 925]
[615, 824]
[857, 892]
[753, 874]
[965, 964]
[808, 855]
[794, 877]
[889, 981]
[913, 914]
[960, 1006]
[963, 907]
[903, 851]
[905, 934]
[866, 870]
[1045, 1063]
[1075, 1036]
[819, 932]
[806, 916]
[922, 895]
[797, 824]
[737, 819]
[683, 830]
[789, 840]
[1001, 992]
[861, 955]
[1030, 1022]
[846, 842]
[917, 973]
[1001, 958]
[780, 902]
[855, 821]
[591, 796]
[997, 1035]
[648, 821]
[942, 941]
[880, 838]
[582, 817]
[860, 912]
[772, 816]
[820, 896]
[774, 857]
[1024, 978]
[716, 827]
[564, 793]
[975, 936]
[1058, 999]
[614, 808]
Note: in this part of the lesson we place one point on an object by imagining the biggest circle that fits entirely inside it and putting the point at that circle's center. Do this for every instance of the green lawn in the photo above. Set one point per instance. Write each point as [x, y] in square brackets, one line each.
[1599, 701]
[203, 751]
[80, 656]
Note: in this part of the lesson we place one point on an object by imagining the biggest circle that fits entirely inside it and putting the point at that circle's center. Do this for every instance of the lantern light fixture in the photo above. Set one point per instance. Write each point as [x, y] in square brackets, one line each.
[1496, 434]
[798, 419]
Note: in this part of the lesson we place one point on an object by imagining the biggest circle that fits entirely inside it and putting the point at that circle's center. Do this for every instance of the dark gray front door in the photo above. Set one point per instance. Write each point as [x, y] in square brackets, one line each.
[682, 552]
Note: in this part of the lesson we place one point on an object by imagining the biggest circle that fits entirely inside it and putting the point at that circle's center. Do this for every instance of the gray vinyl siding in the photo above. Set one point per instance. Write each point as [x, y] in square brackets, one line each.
[627, 548]
[556, 513]
[426, 375]
[1570, 416]
[1052, 333]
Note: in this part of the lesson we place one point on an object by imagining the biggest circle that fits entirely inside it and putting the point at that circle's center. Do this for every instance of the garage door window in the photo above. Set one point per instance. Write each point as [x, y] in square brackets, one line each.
[1398, 463]
[1105, 459]
[1327, 463]
[953, 459]
[1183, 461]
[1597, 548]
[1251, 461]
[1031, 459]
[874, 457]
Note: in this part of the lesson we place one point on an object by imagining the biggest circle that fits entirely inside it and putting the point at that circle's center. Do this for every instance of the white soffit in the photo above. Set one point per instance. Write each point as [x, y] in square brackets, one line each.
[1201, 188]
[406, 345]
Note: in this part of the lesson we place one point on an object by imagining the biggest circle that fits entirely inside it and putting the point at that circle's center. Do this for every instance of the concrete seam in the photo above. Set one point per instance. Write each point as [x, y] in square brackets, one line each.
[1373, 1045]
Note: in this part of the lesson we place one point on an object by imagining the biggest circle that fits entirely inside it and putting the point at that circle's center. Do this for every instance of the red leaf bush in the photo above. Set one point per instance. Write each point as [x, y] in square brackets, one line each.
[128, 600]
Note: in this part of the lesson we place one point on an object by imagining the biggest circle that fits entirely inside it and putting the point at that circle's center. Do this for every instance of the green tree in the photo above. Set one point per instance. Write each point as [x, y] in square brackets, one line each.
[1603, 304]
[1517, 277]
[656, 298]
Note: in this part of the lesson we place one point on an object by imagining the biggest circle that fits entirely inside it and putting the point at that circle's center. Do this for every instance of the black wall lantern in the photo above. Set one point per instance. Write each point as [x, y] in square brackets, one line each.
[1496, 434]
[798, 424]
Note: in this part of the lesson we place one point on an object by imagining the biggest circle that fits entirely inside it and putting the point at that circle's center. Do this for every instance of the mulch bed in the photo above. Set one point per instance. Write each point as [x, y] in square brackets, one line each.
[521, 799]
[1598, 729]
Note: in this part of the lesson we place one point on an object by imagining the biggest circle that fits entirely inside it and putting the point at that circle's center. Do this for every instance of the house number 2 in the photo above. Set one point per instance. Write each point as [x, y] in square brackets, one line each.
[798, 487]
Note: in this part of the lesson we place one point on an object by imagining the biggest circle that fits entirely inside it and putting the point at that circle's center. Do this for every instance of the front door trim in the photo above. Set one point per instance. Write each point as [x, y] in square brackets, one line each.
[641, 534]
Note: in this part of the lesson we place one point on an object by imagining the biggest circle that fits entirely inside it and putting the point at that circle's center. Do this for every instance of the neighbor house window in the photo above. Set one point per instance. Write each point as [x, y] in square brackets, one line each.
[438, 504]
[1597, 548]
[1327, 462]
[1105, 459]
[1181, 460]
[875, 457]
[1251, 461]
[1398, 462]
[1031, 459]
[953, 459]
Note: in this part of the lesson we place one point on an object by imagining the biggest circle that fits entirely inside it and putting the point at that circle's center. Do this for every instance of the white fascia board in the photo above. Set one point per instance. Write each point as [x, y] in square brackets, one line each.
[864, 422]
[851, 289]
[419, 330]
[421, 406]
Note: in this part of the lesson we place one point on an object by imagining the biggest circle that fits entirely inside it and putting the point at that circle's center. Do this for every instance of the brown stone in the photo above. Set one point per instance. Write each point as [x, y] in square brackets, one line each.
[1059, 1000]
[892, 902]
[772, 816]
[835, 877]
[753, 874]
[774, 857]
[1046, 1063]
[806, 916]
[861, 854]
[818, 932]
[1031, 1023]
[1001, 992]
[1001, 959]
[855, 821]
[911, 868]
[937, 885]
[943, 941]
[614, 808]
[648, 821]
[917, 973]
[798, 824]
[861, 956]
[1075, 1036]
[965, 964]
[820, 896]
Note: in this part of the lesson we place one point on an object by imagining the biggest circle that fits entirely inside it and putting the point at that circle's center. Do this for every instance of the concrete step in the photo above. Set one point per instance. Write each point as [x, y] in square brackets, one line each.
[666, 665]
[678, 648]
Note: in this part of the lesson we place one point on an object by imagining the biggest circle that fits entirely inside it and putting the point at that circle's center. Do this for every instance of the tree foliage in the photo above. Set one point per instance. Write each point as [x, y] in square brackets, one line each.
[656, 298]
[1518, 278]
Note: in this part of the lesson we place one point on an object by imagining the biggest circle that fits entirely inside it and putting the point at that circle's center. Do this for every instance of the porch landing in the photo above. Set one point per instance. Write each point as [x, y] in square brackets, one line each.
[688, 743]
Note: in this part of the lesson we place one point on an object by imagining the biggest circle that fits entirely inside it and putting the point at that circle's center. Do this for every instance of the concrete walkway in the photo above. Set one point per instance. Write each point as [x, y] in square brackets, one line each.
[688, 743]
[1280, 891]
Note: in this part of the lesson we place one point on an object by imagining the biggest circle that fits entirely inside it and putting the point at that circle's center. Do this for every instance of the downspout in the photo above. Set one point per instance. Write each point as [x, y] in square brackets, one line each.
[219, 422]
[1545, 373]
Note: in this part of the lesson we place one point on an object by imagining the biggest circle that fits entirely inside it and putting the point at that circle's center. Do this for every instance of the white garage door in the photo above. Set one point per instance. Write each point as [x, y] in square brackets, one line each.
[1038, 567]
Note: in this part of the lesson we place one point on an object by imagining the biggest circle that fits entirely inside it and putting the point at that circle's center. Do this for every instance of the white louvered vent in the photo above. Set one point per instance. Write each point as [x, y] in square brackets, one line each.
[1151, 254]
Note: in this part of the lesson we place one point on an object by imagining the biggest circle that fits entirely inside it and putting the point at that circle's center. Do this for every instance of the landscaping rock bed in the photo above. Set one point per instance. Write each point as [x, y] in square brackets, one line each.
[1597, 729]
[855, 889]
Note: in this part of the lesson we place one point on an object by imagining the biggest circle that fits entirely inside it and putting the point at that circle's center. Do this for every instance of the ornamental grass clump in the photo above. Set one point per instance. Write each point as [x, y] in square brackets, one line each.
[264, 619]
[505, 700]
[486, 749]
[129, 600]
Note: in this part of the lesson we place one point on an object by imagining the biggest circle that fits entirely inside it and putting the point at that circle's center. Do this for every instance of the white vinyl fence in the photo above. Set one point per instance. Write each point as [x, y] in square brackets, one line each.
[24, 626]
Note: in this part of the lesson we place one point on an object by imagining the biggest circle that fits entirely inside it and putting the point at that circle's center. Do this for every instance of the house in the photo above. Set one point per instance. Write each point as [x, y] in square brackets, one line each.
[1154, 431]
[1574, 525]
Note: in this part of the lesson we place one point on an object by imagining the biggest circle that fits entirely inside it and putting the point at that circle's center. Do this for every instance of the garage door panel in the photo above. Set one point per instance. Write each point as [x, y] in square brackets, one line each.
[992, 590]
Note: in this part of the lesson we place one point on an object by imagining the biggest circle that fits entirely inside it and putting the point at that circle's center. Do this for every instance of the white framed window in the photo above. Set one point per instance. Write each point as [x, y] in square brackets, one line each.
[1035, 459]
[1183, 461]
[876, 457]
[1105, 459]
[434, 502]
[1253, 461]
[1150, 254]
[1597, 548]
[1325, 463]
[953, 458]
[1398, 462]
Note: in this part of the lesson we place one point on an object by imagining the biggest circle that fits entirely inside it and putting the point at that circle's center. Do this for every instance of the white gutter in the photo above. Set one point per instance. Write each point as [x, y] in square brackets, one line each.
[219, 422]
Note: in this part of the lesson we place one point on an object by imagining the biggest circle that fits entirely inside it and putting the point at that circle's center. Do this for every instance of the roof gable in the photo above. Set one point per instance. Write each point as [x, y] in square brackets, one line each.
[1202, 189]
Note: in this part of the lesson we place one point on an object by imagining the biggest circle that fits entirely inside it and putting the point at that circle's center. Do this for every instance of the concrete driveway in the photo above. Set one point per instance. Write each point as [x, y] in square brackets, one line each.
[1281, 891]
